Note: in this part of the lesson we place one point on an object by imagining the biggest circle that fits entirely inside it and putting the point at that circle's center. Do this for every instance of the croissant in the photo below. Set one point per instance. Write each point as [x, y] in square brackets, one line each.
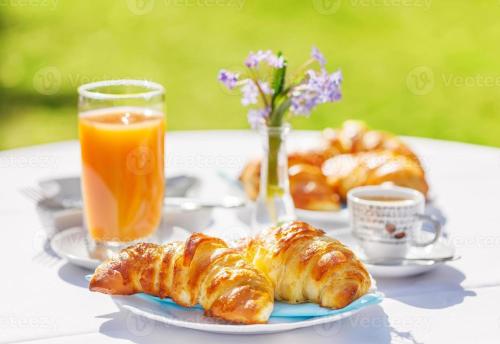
[202, 270]
[347, 171]
[348, 157]
[356, 137]
[305, 265]
[250, 179]
[308, 186]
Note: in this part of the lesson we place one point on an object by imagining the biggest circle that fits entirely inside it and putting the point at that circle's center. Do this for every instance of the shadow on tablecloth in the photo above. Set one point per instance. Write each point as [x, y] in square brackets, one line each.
[420, 291]
[371, 325]
[74, 275]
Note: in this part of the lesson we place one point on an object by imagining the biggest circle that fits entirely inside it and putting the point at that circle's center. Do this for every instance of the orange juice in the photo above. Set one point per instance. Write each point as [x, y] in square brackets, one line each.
[122, 172]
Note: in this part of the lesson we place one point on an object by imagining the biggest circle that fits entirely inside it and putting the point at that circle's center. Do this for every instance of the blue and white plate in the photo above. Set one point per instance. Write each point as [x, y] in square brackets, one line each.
[284, 317]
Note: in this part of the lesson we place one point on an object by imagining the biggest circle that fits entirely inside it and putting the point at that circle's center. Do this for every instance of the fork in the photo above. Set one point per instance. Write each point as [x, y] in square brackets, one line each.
[39, 197]
[44, 256]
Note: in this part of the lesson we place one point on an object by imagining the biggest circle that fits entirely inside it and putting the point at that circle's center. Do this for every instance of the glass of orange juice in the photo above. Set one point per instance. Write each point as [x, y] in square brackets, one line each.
[121, 127]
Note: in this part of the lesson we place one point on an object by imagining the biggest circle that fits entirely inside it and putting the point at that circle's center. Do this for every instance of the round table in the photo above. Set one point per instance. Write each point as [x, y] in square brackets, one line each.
[45, 300]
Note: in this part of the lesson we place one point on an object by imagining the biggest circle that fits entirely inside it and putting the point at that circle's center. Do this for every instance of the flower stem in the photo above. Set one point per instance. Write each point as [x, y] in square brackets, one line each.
[276, 118]
[255, 80]
[273, 187]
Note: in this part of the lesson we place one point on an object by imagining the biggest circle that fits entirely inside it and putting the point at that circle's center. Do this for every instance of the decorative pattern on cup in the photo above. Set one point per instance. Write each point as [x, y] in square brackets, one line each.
[389, 222]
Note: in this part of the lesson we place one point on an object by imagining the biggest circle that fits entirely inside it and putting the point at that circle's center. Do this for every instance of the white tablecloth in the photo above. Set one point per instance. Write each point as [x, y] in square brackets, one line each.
[46, 300]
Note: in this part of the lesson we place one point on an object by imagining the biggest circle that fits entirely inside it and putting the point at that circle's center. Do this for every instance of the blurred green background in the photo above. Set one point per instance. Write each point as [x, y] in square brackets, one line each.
[415, 67]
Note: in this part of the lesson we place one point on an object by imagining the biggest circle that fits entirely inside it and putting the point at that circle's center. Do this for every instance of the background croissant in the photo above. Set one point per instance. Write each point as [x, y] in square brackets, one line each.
[348, 157]
[202, 270]
[305, 265]
[347, 171]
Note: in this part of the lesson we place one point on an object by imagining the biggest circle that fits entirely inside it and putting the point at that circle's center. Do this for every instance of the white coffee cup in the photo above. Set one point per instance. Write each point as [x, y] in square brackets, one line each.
[387, 220]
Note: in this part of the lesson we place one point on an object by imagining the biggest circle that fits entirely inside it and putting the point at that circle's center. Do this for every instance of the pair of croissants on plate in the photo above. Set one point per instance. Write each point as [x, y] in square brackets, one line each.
[347, 157]
[293, 262]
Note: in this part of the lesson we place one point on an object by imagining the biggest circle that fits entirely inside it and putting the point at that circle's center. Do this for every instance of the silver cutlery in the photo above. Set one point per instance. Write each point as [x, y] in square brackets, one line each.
[183, 203]
[37, 196]
[193, 204]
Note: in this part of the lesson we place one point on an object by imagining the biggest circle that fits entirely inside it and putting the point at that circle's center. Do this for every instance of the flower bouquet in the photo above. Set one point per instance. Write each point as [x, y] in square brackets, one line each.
[273, 95]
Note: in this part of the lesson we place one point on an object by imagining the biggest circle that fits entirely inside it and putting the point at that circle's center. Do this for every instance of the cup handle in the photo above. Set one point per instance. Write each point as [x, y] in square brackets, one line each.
[436, 227]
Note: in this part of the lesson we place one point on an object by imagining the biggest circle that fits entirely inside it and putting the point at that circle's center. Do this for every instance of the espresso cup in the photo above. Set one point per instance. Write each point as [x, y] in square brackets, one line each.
[387, 220]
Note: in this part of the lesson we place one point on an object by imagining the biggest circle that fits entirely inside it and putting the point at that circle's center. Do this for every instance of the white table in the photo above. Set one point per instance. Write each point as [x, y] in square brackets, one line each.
[46, 301]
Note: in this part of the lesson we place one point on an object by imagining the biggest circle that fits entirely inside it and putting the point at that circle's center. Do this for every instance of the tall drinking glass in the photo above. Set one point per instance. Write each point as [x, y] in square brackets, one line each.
[121, 127]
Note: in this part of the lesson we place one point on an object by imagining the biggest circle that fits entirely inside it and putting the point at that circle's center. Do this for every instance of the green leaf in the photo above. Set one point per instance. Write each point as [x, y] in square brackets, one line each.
[276, 119]
[278, 83]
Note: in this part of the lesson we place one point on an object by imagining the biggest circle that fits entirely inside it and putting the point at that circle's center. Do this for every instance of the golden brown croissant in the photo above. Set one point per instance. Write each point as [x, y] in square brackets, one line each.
[250, 179]
[350, 156]
[305, 265]
[347, 171]
[202, 270]
[356, 137]
[308, 186]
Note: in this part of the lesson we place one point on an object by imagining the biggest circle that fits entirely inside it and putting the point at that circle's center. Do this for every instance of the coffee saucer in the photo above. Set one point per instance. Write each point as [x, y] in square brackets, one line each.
[419, 260]
[72, 244]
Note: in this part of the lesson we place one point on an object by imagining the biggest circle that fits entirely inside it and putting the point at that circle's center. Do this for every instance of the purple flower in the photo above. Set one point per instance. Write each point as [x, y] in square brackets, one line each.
[273, 60]
[254, 59]
[257, 117]
[320, 87]
[318, 56]
[229, 79]
[250, 93]
[264, 86]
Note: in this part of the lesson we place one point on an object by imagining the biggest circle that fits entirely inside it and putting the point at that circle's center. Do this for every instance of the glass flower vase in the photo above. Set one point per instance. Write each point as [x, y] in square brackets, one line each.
[274, 203]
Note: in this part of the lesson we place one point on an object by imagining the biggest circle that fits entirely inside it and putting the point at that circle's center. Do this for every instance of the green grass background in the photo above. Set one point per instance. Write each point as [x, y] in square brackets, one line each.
[49, 47]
